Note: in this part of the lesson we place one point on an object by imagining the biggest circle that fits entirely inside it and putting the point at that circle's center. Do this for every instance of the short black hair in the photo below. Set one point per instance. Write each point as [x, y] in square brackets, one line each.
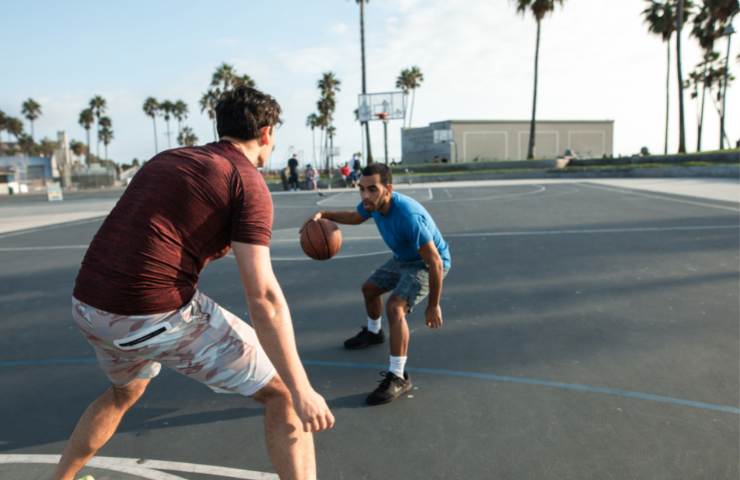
[379, 169]
[242, 112]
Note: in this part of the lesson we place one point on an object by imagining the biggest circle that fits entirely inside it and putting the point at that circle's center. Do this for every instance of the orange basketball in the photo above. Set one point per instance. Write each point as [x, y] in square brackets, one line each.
[321, 239]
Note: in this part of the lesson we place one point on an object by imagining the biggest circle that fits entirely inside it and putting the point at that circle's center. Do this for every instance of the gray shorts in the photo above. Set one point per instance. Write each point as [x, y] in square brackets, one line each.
[407, 280]
[201, 340]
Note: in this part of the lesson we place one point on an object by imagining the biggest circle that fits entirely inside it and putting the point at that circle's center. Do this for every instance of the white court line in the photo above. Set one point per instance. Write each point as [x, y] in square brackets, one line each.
[52, 226]
[592, 231]
[147, 469]
[627, 191]
[540, 189]
[52, 247]
[521, 233]
[431, 197]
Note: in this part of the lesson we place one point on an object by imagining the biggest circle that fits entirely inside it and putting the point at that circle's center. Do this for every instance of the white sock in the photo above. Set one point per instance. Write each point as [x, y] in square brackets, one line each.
[398, 364]
[374, 325]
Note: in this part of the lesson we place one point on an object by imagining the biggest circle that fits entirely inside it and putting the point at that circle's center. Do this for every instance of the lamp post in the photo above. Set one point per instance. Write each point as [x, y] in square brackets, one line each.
[729, 31]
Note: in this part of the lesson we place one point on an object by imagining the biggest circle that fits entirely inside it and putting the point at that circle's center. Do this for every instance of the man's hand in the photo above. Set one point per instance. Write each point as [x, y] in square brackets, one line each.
[313, 411]
[433, 316]
[313, 218]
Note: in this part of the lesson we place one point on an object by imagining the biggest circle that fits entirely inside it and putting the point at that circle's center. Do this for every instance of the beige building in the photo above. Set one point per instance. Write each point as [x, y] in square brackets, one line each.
[491, 140]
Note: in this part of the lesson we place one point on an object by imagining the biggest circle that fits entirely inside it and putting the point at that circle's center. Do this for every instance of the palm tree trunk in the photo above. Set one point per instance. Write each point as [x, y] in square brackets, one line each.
[364, 77]
[97, 140]
[681, 125]
[313, 145]
[701, 111]
[667, 94]
[32, 132]
[215, 132]
[722, 133]
[87, 130]
[105, 149]
[530, 148]
[411, 113]
[169, 140]
[156, 147]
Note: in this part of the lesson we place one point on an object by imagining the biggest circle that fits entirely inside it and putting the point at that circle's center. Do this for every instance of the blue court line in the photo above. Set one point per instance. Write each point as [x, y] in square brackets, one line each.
[446, 373]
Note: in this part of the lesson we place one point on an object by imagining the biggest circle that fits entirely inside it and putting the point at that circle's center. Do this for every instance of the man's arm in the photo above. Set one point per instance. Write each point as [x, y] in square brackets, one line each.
[430, 255]
[271, 320]
[347, 217]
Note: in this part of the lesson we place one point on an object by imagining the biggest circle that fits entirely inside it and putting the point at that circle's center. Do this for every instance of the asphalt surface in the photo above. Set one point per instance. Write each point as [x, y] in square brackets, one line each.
[591, 331]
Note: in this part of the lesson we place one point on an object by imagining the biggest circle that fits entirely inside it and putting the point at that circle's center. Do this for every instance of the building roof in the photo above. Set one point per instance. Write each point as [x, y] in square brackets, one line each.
[523, 121]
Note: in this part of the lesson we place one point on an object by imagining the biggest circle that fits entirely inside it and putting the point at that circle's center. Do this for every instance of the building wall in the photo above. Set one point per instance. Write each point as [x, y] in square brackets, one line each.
[488, 140]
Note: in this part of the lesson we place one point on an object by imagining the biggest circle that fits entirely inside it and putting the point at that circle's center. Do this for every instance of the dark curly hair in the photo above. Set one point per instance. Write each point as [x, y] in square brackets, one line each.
[242, 112]
[386, 177]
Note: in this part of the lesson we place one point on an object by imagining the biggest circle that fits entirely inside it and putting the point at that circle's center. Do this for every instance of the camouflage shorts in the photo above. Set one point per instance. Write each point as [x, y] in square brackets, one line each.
[407, 280]
[201, 340]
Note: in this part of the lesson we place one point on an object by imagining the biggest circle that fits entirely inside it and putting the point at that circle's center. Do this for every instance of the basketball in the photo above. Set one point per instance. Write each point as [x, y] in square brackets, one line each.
[321, 239]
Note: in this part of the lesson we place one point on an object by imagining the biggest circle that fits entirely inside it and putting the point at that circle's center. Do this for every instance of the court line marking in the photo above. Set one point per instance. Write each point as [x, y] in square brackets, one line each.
[52, 226]
[520, 233]
[148, 469]
[431, 196]
[628, 191]
[578, 387]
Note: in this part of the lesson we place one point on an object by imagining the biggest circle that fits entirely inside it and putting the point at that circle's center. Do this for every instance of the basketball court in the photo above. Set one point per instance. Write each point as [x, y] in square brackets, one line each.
[591, 331]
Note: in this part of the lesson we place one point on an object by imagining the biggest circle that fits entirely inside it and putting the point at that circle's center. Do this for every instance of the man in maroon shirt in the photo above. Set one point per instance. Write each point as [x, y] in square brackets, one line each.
[137, 303]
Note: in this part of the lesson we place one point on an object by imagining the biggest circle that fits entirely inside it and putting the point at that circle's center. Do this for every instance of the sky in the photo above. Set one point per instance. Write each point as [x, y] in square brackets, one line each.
[597, 61]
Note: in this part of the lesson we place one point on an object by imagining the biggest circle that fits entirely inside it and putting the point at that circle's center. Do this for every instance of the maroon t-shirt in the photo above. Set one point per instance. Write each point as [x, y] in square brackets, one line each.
[181, 210]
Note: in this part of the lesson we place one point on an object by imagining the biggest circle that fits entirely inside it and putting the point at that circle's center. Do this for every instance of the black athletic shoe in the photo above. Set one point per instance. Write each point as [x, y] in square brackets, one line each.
[364, 339]
[390, 388]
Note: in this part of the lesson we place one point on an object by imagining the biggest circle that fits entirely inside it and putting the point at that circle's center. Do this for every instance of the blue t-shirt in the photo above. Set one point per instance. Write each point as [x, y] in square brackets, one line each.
[406, 227]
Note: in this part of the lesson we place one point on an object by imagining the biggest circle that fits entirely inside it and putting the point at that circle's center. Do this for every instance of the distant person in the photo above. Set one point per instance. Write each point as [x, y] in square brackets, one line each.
[421, 259]
[356, 171]
[312, 178]
[136, 297]
[284, 173]
[345, 172]
[293, 172]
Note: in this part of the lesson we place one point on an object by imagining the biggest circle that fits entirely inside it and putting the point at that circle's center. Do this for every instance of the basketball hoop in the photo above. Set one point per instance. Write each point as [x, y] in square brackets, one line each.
[382, 116]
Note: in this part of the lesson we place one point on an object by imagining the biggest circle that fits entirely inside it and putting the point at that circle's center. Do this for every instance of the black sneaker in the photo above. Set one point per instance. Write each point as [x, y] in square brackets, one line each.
[364, 339]
[390, 388]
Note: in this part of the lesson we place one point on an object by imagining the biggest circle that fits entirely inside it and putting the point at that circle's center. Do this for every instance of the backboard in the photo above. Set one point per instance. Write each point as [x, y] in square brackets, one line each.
[371, 104]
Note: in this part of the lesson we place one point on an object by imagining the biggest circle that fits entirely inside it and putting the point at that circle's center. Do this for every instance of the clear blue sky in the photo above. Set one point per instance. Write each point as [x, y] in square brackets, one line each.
[476, 56]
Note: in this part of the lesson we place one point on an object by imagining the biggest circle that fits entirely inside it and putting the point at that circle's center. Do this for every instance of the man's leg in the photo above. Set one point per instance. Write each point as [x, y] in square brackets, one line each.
[373, 302]
[291, 449]
[97, 425]
[396, 309]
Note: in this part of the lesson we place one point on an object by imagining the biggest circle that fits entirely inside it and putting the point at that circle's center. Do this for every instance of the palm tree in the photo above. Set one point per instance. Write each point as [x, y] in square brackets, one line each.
[223, 77]
[151, 108]
[167, 108]
[208, 104]
[98, 105]
[14, 126]
[681, 16]
[539, 9]
[86, 120]
[362, 3]
[187, 137]
[26, 144]
[328, 86]
[661, 20]
[180, 112]
[31, 110]
[312, 122]
[409, 80]
[77, 147]
[105, 132]
[3, 123]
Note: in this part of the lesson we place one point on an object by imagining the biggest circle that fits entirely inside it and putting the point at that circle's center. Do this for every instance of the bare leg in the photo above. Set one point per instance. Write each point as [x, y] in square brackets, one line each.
[290, 448]
[373, 302]
[396, 310]
[96, 426]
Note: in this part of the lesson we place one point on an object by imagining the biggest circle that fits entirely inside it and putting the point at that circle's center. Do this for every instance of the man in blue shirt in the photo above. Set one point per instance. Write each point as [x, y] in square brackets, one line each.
[421, 259]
